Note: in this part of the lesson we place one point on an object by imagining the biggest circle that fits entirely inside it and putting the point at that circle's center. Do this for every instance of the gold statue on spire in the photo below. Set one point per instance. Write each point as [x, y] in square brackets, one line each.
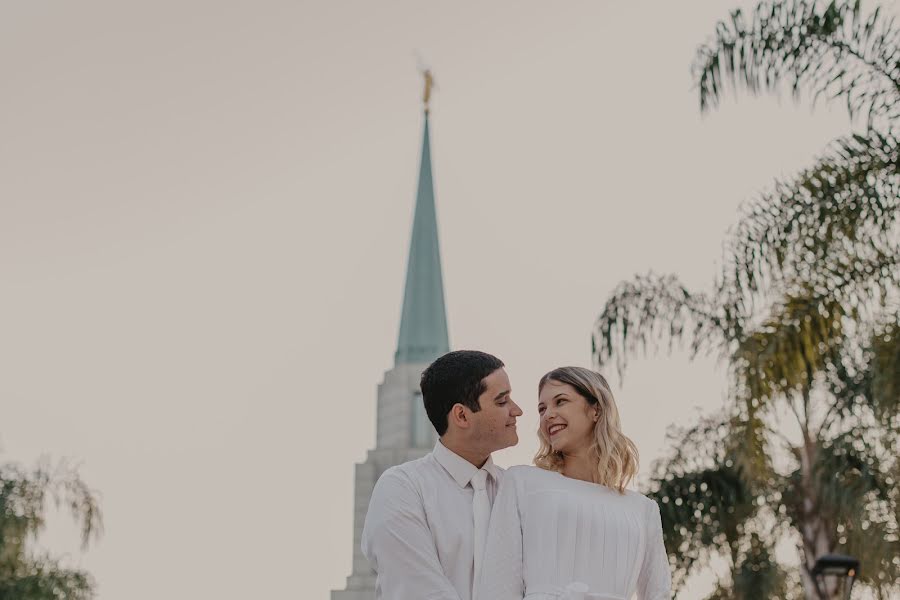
[429, 83]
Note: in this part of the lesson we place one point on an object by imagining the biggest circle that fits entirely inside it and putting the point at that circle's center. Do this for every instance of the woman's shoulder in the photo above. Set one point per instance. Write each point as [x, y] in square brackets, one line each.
[529, 473]
[522, 471]
[647, 503]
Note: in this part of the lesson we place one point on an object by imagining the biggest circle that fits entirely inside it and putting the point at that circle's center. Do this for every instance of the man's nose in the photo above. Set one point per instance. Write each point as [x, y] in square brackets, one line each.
[517, 410]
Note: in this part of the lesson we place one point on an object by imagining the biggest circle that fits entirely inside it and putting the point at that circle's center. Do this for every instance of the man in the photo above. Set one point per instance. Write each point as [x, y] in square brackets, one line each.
[425, 530]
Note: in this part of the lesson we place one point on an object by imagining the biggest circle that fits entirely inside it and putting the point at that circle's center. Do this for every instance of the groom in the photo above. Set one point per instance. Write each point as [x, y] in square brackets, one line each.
[427, 521]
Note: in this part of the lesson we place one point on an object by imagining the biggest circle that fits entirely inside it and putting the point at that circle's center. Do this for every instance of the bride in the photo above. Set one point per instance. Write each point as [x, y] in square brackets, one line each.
[568, 529]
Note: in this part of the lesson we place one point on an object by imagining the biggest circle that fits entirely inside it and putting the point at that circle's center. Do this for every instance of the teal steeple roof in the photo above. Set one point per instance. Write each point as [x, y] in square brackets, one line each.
[423, 325]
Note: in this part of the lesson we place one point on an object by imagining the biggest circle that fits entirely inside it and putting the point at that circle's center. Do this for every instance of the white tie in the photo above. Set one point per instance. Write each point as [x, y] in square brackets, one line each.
[481, 509]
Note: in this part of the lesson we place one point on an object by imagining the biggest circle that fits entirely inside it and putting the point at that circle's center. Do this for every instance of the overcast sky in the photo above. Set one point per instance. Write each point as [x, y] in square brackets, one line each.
[205, 210]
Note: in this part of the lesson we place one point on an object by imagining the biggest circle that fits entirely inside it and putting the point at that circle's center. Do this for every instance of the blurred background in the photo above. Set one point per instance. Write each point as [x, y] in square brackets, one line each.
[205, 214]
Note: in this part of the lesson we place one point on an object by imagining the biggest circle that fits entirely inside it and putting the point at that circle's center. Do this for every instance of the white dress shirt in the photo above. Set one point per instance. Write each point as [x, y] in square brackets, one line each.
[419, 532]
[551, 536]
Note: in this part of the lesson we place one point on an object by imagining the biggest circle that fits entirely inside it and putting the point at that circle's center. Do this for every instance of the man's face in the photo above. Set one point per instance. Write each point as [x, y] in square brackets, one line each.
[495, 423]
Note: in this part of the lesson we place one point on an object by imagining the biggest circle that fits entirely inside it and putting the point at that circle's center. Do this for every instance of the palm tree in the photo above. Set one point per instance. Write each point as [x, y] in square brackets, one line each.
[805, 312]
[24, 497]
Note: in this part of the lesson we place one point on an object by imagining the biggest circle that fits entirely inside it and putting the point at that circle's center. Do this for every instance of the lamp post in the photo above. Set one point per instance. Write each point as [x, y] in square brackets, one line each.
[835, 565]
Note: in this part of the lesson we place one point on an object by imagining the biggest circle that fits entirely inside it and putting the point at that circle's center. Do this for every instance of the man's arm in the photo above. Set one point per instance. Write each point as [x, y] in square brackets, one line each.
[399, 545]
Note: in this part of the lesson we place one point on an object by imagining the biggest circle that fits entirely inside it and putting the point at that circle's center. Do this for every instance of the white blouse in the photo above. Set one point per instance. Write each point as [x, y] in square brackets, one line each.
[553, 537]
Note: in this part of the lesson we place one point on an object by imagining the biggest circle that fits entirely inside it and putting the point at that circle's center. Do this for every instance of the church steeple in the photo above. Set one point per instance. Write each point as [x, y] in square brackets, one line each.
[423, 325]
[403, 431]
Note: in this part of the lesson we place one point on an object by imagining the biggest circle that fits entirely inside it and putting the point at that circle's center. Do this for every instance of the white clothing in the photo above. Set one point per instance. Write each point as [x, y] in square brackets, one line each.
[419, 531]
[549, 533]
[481, 510]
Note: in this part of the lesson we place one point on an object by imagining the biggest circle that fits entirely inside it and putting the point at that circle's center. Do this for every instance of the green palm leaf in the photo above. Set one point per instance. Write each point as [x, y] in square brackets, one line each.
[841, 215]
[785, 354]
[704, 498]
[855, 493]
[651, 308]
[826, 50]
[758, 575]
[885, 371]
[24, 499]
[43, 578]
[870, 377]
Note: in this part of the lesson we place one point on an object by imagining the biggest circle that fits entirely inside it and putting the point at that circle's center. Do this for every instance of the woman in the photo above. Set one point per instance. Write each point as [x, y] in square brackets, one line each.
[567, 528]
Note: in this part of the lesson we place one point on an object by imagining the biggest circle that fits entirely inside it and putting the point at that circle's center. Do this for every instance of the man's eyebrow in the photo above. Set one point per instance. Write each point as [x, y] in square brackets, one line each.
[501, 394]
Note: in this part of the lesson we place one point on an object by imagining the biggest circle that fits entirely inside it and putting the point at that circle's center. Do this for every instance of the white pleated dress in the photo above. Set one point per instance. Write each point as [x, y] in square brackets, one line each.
[553, 538]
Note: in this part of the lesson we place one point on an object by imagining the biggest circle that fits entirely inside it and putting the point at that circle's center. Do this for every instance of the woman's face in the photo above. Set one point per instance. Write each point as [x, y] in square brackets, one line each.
[567, 419]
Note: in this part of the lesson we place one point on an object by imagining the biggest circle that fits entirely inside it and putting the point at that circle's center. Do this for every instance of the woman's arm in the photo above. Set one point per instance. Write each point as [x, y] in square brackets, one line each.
[655, 578]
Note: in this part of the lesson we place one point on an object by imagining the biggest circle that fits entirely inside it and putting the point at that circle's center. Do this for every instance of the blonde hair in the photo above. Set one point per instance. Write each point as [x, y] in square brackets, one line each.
[616, 455]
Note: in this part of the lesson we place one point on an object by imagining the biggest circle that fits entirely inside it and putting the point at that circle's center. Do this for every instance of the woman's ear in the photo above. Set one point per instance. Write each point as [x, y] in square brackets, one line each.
[596, 416]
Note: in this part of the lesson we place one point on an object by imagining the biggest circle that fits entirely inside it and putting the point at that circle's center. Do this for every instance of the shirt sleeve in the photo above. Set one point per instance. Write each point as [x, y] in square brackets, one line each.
[399, 545]
[502, 572]
[655, 578]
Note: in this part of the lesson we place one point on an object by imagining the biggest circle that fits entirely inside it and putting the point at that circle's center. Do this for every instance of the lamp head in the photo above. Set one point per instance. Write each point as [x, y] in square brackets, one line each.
[840, 565]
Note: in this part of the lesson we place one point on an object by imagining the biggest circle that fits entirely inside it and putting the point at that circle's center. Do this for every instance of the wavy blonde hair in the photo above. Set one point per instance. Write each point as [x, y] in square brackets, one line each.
[616, 455]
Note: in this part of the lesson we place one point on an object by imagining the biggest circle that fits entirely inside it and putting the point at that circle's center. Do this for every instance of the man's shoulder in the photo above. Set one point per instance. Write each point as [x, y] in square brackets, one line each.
[410, 471]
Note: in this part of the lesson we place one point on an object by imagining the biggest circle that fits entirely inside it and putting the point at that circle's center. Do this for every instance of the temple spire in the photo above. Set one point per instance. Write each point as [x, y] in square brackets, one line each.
[423, 324]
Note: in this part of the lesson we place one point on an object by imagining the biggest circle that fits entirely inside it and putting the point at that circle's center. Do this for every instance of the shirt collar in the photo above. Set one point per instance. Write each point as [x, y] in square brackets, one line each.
[459, 468]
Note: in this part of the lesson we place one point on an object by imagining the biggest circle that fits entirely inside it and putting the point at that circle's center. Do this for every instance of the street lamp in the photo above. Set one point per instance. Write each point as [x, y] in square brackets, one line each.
[835, 565]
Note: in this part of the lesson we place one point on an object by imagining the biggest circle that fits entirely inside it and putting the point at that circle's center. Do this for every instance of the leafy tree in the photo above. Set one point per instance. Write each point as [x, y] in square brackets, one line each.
[24, 500]
[804, 313]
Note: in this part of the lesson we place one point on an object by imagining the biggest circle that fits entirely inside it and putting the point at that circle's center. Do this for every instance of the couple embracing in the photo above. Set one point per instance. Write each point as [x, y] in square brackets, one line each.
[454, 526]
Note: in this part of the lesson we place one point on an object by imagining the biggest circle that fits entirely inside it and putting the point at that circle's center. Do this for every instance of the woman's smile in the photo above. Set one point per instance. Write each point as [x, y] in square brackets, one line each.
[554, 429]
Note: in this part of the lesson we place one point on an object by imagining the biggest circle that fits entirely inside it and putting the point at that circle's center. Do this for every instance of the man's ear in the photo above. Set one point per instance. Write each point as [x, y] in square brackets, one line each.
[459, 416]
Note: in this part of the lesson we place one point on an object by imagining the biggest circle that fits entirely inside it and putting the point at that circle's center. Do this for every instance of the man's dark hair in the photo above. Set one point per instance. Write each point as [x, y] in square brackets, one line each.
[455, 378]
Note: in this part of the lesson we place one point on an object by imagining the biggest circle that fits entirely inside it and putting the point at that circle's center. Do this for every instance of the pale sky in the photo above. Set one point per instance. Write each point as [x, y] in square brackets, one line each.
[205, 210]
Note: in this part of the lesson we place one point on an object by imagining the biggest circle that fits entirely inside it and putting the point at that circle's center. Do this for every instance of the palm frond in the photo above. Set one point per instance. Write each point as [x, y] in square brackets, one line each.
[834, 226]
[747, 445]
[24, 496]
[828, 50]
[42, 578]
[885, 371]
[856, 493]
[704, 499]
[651, 308]
[870, 376]
[786, 353]
[876, 543]
[758, 574]
[703, 513]
[848, 478]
